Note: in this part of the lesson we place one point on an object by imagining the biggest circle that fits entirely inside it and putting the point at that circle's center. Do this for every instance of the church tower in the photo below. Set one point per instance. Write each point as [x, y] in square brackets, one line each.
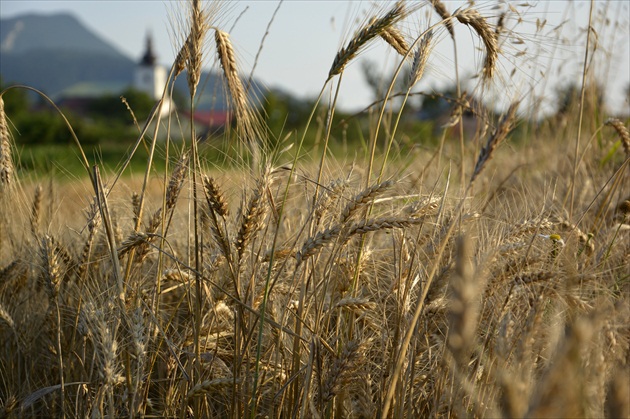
[150, 77]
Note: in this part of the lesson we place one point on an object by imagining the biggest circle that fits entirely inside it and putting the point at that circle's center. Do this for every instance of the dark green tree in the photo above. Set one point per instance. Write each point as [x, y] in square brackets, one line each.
[285, 112]
[16, 101]
[568, 98]
[113, 109]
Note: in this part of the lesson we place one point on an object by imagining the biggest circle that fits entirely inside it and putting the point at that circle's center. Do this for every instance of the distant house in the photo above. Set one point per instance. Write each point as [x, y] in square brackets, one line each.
[209, 118]
[78, 97]
[149, 77]
[440, 110]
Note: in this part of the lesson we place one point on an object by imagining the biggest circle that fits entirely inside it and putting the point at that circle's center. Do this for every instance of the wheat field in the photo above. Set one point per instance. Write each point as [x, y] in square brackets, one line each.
[480, 277]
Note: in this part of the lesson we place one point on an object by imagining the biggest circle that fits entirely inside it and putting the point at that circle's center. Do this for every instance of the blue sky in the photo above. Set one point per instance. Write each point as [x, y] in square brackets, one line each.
[305, 36]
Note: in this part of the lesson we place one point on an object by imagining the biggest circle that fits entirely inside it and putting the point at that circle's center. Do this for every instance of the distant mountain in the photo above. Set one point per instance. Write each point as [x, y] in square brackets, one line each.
[56, 53]
[33, 32]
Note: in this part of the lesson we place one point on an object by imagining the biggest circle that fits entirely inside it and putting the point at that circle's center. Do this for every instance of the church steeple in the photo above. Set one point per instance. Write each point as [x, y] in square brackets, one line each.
[150, 76]
[148, 59]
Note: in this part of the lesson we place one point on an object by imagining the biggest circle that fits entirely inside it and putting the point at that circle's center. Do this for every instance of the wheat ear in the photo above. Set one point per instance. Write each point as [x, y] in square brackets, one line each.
[441, 10]
[194, 58]
[464, 307]
[135, 206]
[227, 58]
[323, 238]
[500, 133]
[93, 216]
[364, 197]
[252, 217]
[6, 317]
[319, 240]
[341, 370]
[181, 59]
[215, 198]
[472, 18]
[396, 40]
[36, 210]
[175, 184]
[500, 26]
[246, 119]
[52, 265]
[374, 28]
[623, 133]
[217, 208]
[420, 58]
[6, 161]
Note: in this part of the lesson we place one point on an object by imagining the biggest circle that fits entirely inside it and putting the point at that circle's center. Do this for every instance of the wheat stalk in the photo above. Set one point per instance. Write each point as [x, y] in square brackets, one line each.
[139, 340]
[132, 241]
[427, 206]
[328, 198]
[103, 337]
[556, 395]
[52, 255]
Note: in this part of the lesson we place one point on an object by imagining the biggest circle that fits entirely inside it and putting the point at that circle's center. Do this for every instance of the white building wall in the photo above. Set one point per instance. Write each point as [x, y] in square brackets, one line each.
[150, 80]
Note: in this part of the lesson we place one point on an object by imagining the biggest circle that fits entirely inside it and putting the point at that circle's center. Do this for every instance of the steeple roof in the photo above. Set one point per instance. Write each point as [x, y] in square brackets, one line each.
[148, 59]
